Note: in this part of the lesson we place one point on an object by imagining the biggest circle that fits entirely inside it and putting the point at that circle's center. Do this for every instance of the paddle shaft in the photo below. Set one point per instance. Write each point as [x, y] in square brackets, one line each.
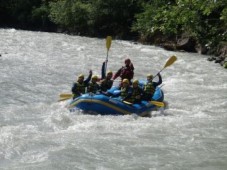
[158, 72]
[108, 44]
[169, 62]
[106, 62]
[156, 103]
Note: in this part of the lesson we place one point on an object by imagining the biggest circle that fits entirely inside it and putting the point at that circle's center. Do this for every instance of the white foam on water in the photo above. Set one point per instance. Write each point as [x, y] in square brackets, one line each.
[37, 132]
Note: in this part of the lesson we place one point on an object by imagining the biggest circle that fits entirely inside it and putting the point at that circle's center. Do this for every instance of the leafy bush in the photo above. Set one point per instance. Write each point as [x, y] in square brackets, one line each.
[71, 15]
[197, 19]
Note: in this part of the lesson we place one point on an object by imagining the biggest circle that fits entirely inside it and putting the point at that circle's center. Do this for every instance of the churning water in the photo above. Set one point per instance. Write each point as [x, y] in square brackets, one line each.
[37, 132]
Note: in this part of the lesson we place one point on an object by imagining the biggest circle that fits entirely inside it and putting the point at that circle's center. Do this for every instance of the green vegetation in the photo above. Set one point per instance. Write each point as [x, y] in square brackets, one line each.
[205, 21]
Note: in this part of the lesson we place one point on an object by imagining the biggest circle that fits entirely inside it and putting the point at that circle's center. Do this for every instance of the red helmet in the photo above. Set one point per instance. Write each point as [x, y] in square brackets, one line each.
[127, 61]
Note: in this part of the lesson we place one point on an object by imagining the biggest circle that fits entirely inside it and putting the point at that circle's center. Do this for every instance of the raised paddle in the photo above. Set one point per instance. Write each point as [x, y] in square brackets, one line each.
[108, 44]
[169, 62]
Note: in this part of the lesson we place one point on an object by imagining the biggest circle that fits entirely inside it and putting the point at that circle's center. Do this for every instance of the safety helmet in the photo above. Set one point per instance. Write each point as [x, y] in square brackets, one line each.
[150, 76]
[127, 61]
[94, 78]
[110, 72]
[125, 81]
[135, 82]
[81, 76]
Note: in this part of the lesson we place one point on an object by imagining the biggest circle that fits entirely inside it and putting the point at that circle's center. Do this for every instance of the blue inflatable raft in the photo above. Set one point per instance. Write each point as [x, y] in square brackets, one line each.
[105, 105]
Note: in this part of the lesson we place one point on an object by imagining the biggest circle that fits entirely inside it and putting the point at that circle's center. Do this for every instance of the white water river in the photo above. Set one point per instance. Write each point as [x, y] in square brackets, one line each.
[37, 132]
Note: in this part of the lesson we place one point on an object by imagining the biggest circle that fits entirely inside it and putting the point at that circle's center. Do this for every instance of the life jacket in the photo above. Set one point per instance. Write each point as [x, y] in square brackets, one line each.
[81, 87]
[149, 88]
[124, 92]
[127, 73]
[106, 84]
[78, 88]
[135, 92]
[93, 87]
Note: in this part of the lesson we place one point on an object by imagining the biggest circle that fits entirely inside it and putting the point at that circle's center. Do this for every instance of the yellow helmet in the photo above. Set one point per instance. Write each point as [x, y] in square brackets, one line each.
[135, 82]
[125, 81]
[109, 72]
[94, 78]
[81, 76]
[150, 76]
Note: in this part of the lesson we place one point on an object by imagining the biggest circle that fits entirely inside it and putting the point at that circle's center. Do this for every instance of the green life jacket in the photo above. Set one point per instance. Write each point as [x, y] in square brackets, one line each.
[135, 92]
[106, 84]
[93, 87]
[149, 88]
[81, 87]
[124, 92]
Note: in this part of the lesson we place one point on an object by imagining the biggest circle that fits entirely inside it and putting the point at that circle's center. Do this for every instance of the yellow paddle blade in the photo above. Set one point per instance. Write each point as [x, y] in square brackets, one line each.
[63, 95]
[156, 103]
[171, 60]
[64, 98]
[108, 42]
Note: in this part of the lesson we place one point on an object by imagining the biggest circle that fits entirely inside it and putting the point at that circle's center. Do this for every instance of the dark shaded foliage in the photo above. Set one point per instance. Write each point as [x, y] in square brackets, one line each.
[204, 21]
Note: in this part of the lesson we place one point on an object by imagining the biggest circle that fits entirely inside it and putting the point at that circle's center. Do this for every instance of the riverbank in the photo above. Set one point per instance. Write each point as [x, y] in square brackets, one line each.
[218, 54]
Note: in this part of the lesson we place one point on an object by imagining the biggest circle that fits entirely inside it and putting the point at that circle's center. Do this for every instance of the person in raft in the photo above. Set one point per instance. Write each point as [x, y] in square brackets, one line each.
[125, 90]
[150, 86]
[106, 81]
[93, 86]
[136, 95]
[80, 86]
[125, 72]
